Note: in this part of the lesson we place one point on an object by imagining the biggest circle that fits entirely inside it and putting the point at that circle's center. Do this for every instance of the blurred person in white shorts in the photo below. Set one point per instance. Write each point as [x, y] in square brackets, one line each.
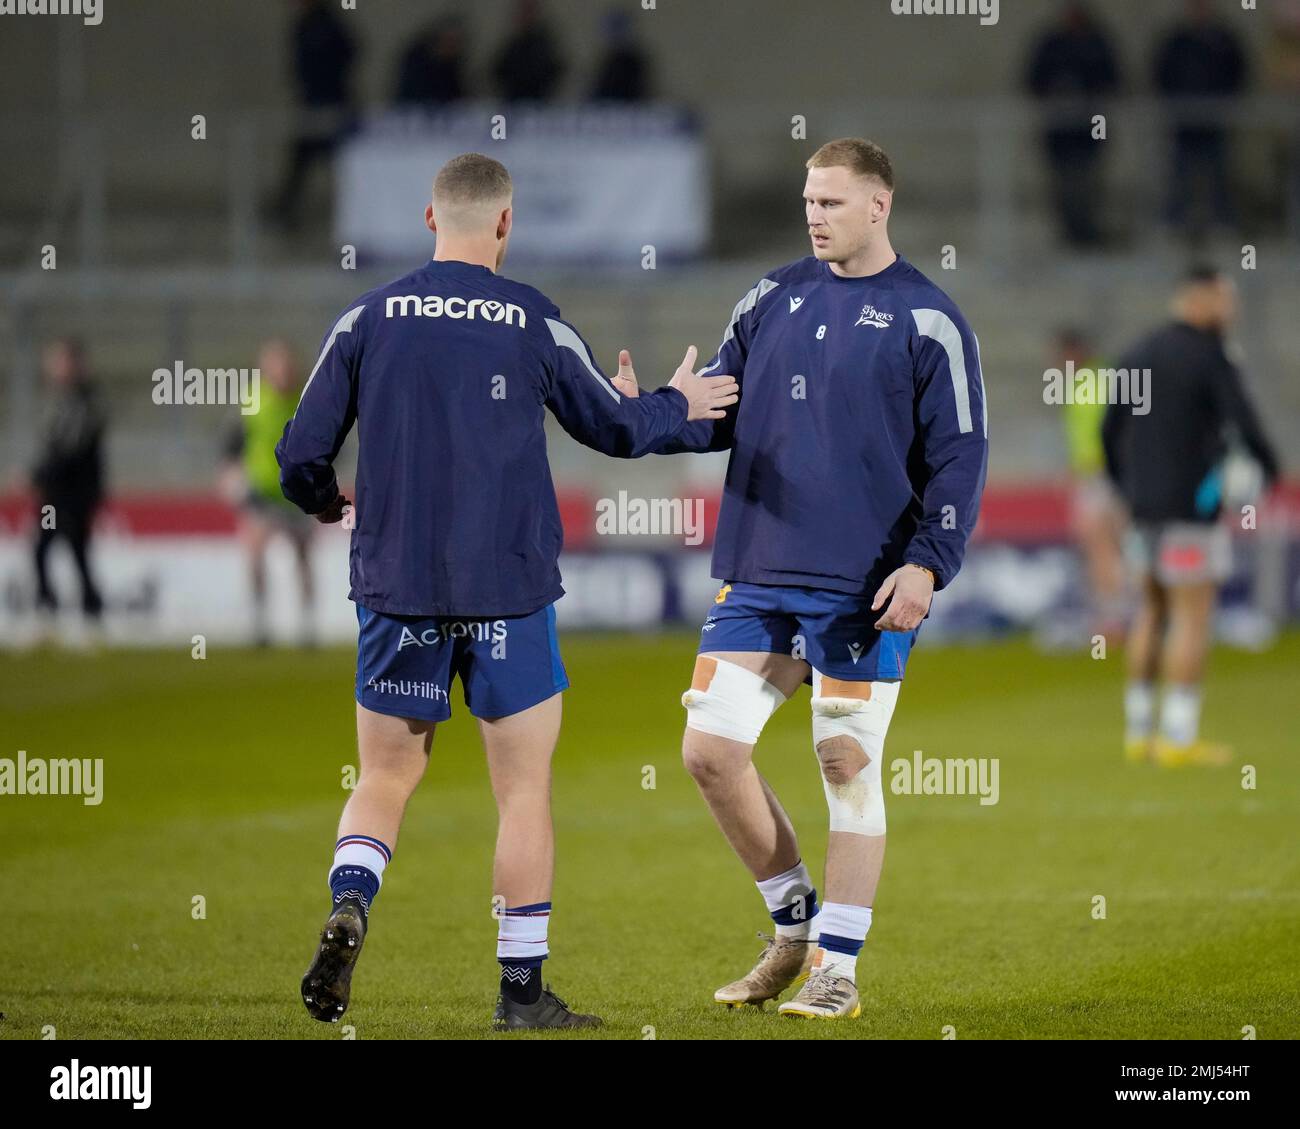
[1165, 453]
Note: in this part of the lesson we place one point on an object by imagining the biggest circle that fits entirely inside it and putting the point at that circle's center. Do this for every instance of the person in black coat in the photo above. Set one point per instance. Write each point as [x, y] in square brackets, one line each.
[432, 70]
[68, 477]
[528, 66]
[1071, 68]
[323, 53]
[1199, 59]
[624, 72]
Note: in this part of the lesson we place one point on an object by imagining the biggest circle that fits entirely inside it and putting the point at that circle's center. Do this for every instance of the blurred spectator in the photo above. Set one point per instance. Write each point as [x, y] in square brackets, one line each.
[69, 473]
[323, 56]
[1284, 81]
[1096, 516]
[1200, 67]
[624, 73]
[528, 66]
[1072, 66]
[251, 480]
[432, 71]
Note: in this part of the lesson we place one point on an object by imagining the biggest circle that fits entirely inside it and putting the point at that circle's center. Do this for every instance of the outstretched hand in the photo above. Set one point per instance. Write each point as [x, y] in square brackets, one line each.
[706, 396]
[625, 380]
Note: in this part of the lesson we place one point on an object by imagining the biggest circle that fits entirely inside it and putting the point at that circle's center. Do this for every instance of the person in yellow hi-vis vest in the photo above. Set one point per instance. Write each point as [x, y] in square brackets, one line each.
[1096, 519]
[251, 480]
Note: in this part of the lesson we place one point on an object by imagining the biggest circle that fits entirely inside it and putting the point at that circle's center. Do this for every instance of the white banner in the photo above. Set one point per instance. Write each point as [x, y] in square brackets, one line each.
[592, 185]
[162, 591]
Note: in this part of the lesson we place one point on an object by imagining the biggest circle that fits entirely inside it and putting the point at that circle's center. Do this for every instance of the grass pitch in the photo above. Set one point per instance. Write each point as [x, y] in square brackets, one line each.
[223, 779]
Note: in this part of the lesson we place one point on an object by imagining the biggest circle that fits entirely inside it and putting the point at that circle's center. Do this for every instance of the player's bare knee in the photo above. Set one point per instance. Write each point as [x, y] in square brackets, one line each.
[711, 759]
[394, 777]
[841, 758]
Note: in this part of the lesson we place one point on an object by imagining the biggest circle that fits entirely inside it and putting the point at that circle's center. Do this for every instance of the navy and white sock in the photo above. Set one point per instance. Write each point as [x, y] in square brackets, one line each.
[521, 948]
[791, 899]
[843, 930]
[358, 869]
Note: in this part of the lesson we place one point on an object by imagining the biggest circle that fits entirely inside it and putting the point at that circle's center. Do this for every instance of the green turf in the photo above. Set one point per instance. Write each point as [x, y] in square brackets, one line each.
[223, 780]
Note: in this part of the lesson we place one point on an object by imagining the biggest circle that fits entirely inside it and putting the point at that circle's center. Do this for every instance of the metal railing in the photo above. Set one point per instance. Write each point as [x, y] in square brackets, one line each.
[974, 165]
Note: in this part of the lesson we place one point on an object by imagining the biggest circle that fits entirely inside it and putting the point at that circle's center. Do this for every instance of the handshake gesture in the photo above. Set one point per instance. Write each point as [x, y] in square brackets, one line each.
[707, 396]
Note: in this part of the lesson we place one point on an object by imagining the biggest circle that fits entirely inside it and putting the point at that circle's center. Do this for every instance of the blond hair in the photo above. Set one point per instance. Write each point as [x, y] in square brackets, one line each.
[470, 190]
[865, 158]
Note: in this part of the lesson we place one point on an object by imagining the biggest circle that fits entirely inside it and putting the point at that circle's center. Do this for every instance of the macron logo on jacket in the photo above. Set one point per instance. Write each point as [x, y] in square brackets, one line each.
[435, 306]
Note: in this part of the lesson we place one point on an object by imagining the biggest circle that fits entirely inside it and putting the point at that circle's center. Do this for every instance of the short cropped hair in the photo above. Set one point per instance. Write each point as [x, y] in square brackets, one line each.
[70, 343]
[1201, 274]
[865, 158]
[469, 184]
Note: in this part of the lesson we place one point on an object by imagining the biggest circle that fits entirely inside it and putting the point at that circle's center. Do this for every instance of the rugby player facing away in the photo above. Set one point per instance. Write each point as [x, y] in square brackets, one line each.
[1167, 464]
[858, 456]
[447, 373]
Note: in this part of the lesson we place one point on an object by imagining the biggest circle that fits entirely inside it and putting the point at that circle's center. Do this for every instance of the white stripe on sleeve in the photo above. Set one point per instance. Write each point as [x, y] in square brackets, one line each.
[343, 325]
[939, 326]
[565, 337]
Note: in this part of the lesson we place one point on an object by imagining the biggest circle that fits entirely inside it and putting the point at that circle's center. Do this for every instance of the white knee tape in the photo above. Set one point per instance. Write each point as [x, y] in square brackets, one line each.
[729, 701]
[858, 805]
